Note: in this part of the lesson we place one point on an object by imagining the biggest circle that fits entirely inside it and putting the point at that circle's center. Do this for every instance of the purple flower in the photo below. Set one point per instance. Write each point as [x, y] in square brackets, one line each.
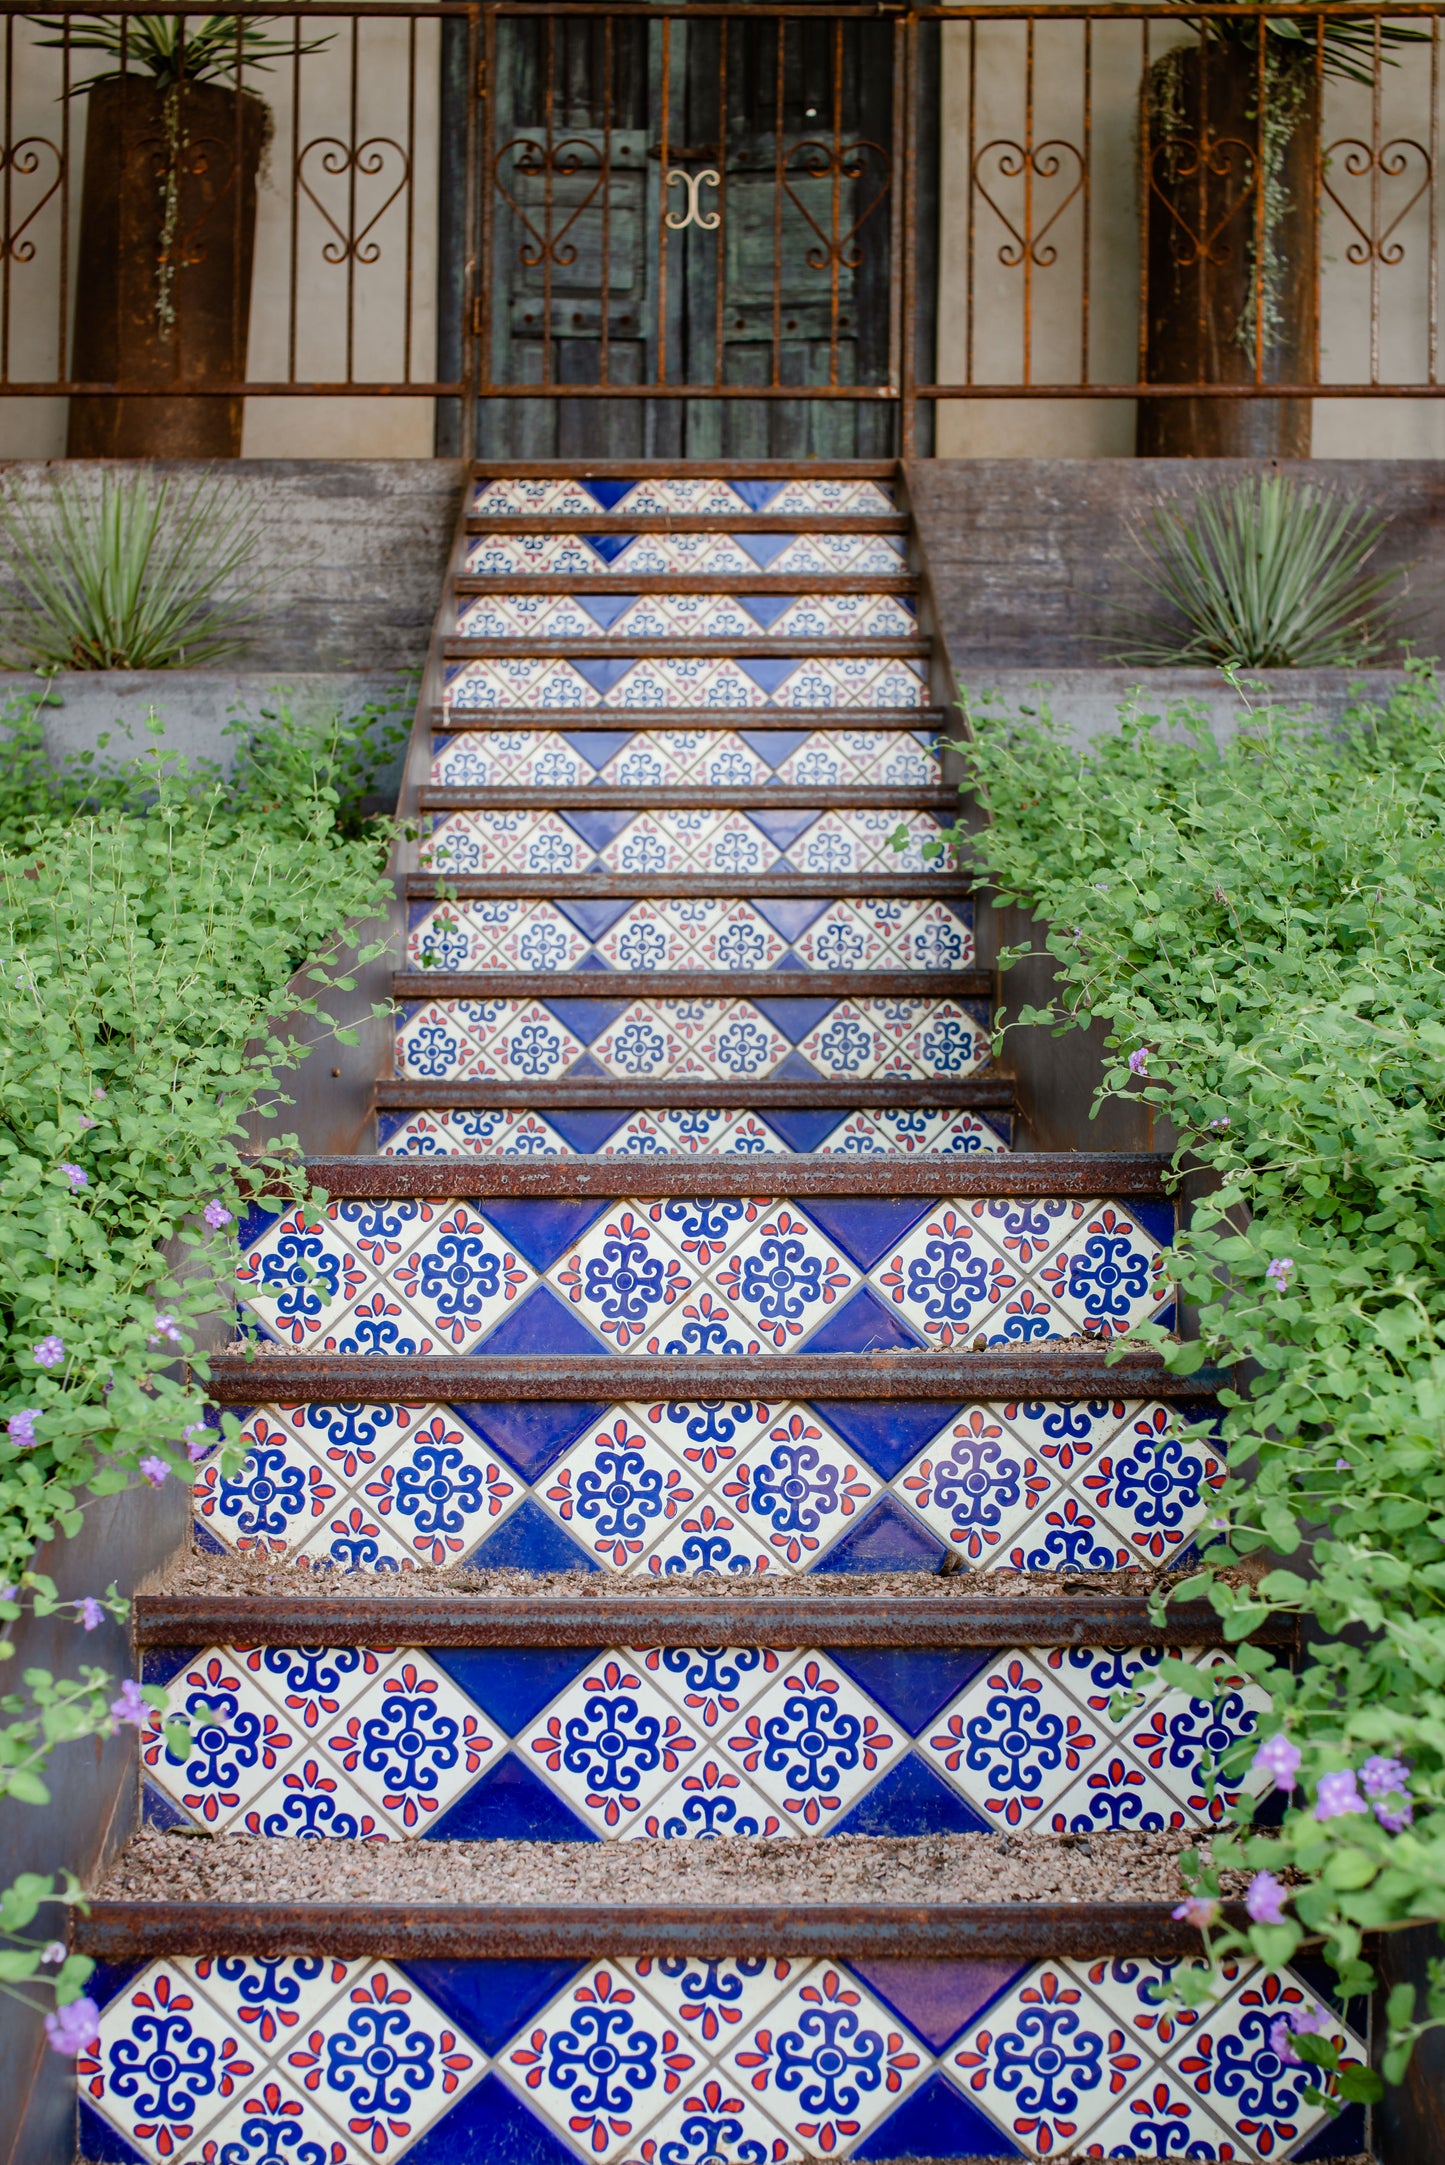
[55, 1952]
[86, 1122]
[1336, 1795]
[1198, 1910]
[1279, 1759]
[21, 1428]
[1264, 1899]
[1279, 1271]
[76, 1175]
[70, 2029]
[8, 1593]
[1221, 1123]
[1387, 1785]
[1342, 1465]
[155, 1470]
[216, 1214]
[98, 1091]
[130, 1706]
[165, 1327]
[50, 1352]
[1139, 1061]
[196, 1451]
[1299, 2022]
[91, 1612]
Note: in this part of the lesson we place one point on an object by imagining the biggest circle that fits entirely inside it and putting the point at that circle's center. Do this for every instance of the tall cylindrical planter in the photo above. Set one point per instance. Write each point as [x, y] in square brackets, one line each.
[167, 240]
[1209, 167]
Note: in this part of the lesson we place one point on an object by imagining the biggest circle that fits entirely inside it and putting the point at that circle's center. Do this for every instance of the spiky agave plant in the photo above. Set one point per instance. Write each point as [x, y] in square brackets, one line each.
[138, 572]
[1267, 572]
[175, 49]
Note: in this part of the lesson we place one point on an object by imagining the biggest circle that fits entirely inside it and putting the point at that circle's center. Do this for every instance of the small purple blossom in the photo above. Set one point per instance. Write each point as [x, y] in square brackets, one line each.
[21, 1428]
[1223, 1122]
[91, 1613]
[1279, 1759]
[1342, 1465]
[98, 1091]
[76, 1175]
[155, 1470]
[1299, 2022]
[165, 1327]
[196, 1451]
[50, 1352]
[8, 1593]
[87, 1121]
[1279, 1270]
[130, 1706]
[1139, 1061]
[70, 2029]
[1386, 1783]
[216, 1214]
[1199, 1911]
[1264, 1899]
[54, 1952]
[1336, 1795]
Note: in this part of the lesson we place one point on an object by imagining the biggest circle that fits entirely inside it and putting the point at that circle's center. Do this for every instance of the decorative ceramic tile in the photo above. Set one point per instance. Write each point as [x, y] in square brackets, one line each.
[814, 1742]
[610, 1743]
[730, 842]
[653, 555]
[677, 616]
[686, 2060]
[411, 1741]
[662, 498]
[824, 681]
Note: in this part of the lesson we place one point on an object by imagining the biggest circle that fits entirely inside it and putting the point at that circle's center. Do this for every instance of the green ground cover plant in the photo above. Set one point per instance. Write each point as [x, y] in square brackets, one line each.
[152, 920]
[1260, 928]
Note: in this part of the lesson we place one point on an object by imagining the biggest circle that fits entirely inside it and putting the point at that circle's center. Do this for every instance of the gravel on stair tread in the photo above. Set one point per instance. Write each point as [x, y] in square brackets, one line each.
[171, 1866]
[206, 1577]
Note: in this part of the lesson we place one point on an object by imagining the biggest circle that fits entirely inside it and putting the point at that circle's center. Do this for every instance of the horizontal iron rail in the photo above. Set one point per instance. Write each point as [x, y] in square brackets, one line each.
[592, 1094]
[117, 1931]
[961, 1617]
[1024, 1173]
[629, 985]
[455, 719]
[700, 522]
[1001, 1375]
[684, 796]
[662, 582]
[604, 886]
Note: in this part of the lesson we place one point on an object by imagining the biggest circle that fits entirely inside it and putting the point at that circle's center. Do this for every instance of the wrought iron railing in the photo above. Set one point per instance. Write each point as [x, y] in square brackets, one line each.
[559, 204]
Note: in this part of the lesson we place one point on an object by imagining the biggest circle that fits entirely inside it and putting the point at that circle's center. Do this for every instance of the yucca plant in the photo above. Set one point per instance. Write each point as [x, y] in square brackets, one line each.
[175, 49]
[137, 572]
[1265, 573]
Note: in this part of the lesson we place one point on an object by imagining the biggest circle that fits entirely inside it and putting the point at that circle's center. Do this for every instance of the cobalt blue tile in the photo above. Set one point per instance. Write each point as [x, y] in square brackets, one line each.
[586, 1019]
[530, 1541]
[765, 609]
[584, 1131]
[605, 609]
[887, 1539]
[788, 917]
[861, 1325]
[608, 546]
[867, 1226]
[158, 1811]
[606, 495]
[416, 913]
[206, 1541]
[937, 1998]
[599, 828]
[795, 1018]
[596, 746]
[937, 2121]
[489, 2126]
[601, 671]
[757, 495]
[1156, 1219]
[791, 962]
[510, 1804]
[782, 828]
[794, 1068]
[1337, 2138]
[532, 1433]
[158, 1664]
[108, 1978]
[803, 1130]
[593, 1069]
[764, 549]
[593, 963]
[253, 1224]
[513, 1683]
[911, 1799]
[774, 745]
[888, 1435]
[541, 1230]
[543, 1325]
[489, 2001]
[591, 918]
[912, 1683]
[100, 2144]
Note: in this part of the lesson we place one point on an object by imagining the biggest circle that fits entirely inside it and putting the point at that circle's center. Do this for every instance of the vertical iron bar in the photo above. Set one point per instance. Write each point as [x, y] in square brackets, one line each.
[1261, 187]
[410, 194]
[970, 281]
[835, 247]
[351, 199]
[661, 371]
[1433, 321]
[471, 341]
[895, 208]
[63, 369]
[483, 303]
[240, 300]
[1146, 209]
[549, 76]
[781, 22]
[1316, 194]
[908, 432]
[1376, 91]
[9, 198]
[721, 233]
[1088, 134]
[604, 372]
[1028, 326]
[1201, 218]
[294, 272]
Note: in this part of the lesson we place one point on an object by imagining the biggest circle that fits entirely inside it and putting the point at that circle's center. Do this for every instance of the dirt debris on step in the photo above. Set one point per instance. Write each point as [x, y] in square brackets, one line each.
[178, 1866]
[261, 1577]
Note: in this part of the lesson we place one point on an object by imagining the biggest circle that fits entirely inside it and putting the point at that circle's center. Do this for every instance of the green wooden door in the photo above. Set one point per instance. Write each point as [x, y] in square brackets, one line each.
[678, 203]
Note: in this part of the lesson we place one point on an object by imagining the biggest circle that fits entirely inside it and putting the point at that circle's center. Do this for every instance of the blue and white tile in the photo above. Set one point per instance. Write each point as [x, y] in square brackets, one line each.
[709, 1685]
[715, 2002]
[280, 1493]
[654, 555]
[600, 2063]
[622, 1277]
[1047, 2064]
[782, 1277]
[1179, 1738]
[609, 1744]
[1012, 1741]
[531, 842]
[167, 2064]
[675, 616]
[411, 1742]
[618, 1490]
[710, 1801]
[675, 841]
[1228, 2065]
[829, 2061]
[691, 496]
[469, 1131]
[313, 1801]
[821, 681]
[976, 1487]
[237, 1741]
[814, 1742]
[301, 1277]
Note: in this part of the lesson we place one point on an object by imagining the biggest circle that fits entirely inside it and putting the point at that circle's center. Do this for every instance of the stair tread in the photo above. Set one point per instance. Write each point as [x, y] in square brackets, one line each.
[456, 720]
[516, 647]
[684, 582]
[784, 886]
[887, 1093]
[1093, 1175]
[689, 797]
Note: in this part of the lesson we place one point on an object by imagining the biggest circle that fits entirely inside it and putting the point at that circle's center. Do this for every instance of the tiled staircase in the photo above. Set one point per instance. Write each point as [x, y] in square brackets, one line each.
[693, 1289]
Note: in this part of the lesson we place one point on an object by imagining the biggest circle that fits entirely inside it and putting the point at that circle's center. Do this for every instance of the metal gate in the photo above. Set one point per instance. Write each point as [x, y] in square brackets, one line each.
[691, 222]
